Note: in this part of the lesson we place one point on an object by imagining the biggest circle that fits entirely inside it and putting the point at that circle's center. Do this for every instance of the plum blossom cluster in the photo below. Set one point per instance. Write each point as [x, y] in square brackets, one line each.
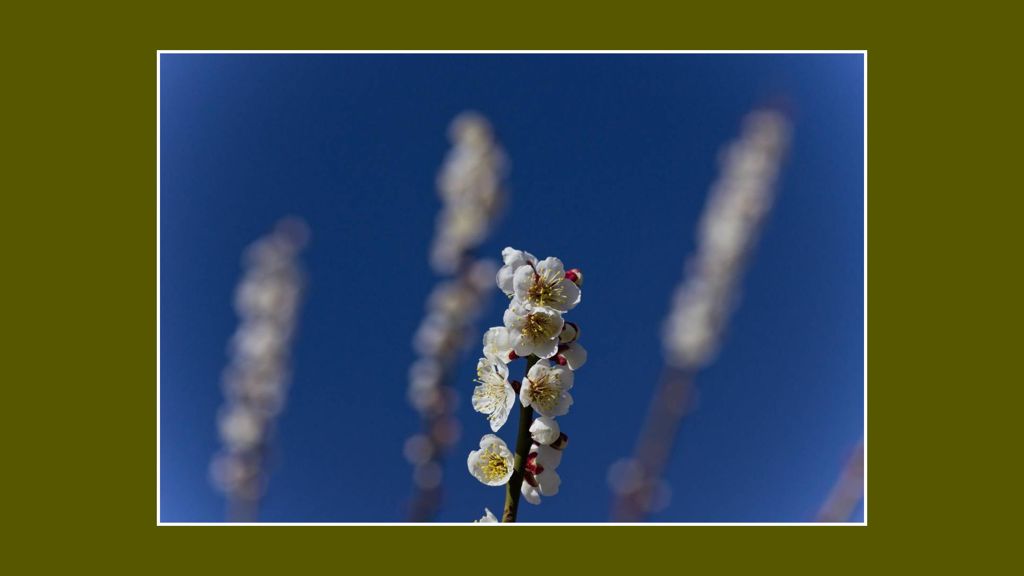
[255, 382]
[847, 492]
[540, 293]
[728, 230]
[452, 311]
[737, 205]
[470, 188]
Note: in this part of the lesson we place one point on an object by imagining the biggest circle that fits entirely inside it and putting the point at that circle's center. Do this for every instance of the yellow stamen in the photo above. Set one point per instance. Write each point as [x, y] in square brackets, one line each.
[546, 289]
[543, 393]
[538, 326]
[492, 465]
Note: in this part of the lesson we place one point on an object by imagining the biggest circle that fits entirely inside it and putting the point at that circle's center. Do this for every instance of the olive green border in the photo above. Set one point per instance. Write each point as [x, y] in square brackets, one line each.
[81, 99]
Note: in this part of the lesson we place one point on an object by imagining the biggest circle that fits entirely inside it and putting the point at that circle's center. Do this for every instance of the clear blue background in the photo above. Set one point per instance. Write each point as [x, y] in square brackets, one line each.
[611, 158]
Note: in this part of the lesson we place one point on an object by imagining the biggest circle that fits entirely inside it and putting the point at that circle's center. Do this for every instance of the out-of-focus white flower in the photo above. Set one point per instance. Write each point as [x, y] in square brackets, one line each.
[494, 396]
[240, 428]
[572, 355]
[427, 475]
[514, 260]
[493, 463]
[537, 329]
[546, 285]
[424, 391]
[549, 481]
[418, 449]
[480, 275]
[544, 430]
[258, 338]
[487, 518]
[546, 389]
[530, 493]
[499, 342]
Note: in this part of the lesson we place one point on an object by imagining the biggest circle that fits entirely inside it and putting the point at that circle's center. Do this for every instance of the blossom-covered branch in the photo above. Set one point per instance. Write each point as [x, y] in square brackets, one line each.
[255, 383]
[848, 490]
[735, 210]
[469, 185]
[540, 293]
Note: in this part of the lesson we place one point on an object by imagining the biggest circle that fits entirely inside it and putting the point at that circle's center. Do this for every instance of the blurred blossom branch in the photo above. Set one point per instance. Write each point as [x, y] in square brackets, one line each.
[469, 185]
[255, 382]
[736, 208]
[847, 492]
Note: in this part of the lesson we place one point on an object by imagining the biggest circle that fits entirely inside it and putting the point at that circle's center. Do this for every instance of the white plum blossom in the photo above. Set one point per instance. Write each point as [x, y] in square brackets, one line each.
[493, 463]
[545, 285]
[574, 354]
[494, 396]
[488, 518]
[499, 342]
[544, 430]
[513, 259]
[531, 493]
[536, 329]
[549, 481]
[546, 389]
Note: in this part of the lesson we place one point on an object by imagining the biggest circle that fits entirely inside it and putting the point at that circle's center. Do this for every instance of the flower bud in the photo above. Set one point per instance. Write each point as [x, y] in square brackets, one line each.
[531, 464]
[570, 332]
[529, 479]
[544, 430]
[512, 355]
[547, 458]
[575, 276]
[573, 354]
[529, 491]
[561, 442]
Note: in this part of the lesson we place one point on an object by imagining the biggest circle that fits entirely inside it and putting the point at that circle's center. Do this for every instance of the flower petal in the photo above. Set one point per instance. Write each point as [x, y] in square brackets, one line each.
[530, 494]
[575, 355]
[544, 430]
[549, 482]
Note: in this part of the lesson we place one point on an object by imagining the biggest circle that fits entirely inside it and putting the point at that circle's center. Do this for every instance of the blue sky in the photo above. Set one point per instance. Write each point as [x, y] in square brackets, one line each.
[611, 159]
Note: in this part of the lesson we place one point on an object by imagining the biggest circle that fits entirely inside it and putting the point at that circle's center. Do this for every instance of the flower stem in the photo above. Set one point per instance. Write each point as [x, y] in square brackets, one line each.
[523, 441]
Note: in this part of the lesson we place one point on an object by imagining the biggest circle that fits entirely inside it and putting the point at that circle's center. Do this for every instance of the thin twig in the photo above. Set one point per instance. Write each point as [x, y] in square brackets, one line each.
[523, 442]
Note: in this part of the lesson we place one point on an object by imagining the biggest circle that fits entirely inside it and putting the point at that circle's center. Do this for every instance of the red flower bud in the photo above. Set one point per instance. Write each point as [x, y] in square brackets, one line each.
[531, 464]
[561, 360]
[575, 276]
[512, 355]
[561, 442]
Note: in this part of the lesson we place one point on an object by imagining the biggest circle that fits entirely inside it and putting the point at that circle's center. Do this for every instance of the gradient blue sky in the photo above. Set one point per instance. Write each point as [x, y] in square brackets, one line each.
[611, 158]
